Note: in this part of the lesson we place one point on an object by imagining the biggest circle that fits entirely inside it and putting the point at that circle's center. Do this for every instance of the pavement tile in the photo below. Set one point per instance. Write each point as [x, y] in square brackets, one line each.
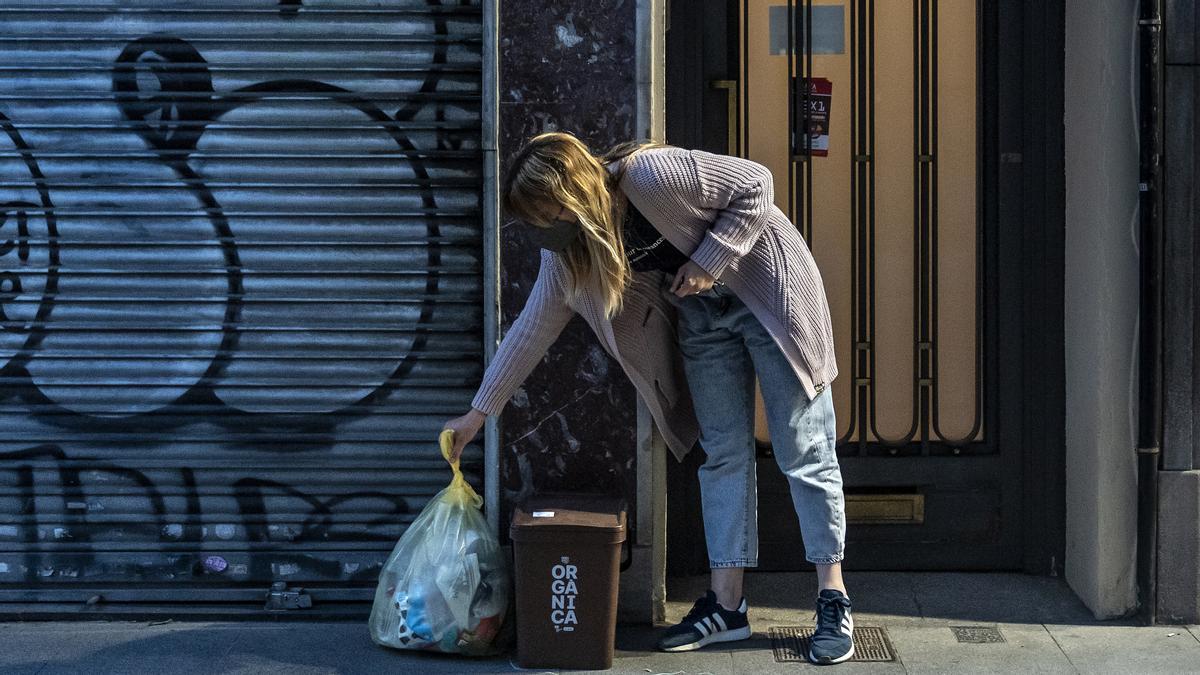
[23, 652]
[636, 654]
[934, 649]
[119, 648]
[182, 647]
[1128, 649]
[341, 648]
[684, 663]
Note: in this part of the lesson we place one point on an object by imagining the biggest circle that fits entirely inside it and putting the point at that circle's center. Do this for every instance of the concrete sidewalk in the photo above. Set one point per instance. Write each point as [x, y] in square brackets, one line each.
[1043, 628]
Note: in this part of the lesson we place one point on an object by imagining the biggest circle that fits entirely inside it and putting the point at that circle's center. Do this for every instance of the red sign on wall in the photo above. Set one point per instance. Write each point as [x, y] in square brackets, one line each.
[813, 129]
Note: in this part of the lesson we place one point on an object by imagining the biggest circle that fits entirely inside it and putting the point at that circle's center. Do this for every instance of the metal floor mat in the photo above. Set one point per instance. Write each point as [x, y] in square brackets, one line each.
[790, 643]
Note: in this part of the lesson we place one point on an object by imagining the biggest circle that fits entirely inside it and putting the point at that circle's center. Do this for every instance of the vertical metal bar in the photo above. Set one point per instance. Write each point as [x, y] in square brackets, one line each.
[490, 144]
[745, 120]
[797, 140]
[927, 199]
[809, 165]
[983, 312]
[742, 97]
[960, 443]
[869, 416]
[855, 324]
[894, 445]
[931, 352]
[869, 217]
[931, 267]
[1149, 442]
[922, 81]
[982, 344]
[1150, 193]
[862, 255]
[916, 196]
[869, 214]
[801, 186]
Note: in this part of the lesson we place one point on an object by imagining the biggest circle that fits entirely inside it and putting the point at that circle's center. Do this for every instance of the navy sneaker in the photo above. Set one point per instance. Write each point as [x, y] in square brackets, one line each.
[833, 640]
[707, 622]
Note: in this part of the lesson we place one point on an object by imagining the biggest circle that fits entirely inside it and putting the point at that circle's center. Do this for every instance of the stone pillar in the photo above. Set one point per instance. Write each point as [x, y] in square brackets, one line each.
[1101, 298]
[566, 66]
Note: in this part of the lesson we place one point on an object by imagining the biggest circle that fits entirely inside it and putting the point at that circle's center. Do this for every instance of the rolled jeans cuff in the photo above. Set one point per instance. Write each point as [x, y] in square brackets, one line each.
[743, 562]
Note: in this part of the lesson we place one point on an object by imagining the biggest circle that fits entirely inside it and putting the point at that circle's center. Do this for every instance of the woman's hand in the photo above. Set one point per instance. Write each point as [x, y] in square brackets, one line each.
[465, 429]
[691, 279]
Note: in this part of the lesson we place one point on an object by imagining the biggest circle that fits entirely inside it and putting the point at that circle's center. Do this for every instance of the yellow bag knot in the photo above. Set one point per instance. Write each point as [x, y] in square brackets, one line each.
[459, 491]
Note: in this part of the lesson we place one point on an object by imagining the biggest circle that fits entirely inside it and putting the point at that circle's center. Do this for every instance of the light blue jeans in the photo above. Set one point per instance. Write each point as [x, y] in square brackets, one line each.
[723, 347]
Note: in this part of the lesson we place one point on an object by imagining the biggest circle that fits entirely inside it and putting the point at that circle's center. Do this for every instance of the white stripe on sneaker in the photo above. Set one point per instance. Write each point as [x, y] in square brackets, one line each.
[727, 636]
[720, 621]
[703, 630]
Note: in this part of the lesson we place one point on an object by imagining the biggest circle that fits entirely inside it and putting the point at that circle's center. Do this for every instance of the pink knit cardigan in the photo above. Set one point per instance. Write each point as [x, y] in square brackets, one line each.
[721, 210]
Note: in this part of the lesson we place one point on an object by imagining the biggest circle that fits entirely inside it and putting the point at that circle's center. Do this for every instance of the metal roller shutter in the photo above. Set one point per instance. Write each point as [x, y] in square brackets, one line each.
[241, 284]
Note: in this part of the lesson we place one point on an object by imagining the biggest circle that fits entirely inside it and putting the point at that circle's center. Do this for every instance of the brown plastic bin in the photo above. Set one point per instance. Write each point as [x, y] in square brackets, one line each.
[567, 550]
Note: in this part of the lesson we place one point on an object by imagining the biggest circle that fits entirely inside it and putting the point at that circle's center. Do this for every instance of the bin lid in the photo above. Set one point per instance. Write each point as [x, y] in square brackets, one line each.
[550, 516]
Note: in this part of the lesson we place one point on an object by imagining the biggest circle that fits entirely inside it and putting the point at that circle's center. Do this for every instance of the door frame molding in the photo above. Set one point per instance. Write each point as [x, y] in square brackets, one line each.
[1039, 185]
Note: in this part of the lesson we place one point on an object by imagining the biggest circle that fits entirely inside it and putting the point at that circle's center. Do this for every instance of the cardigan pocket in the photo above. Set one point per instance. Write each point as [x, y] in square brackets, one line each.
[669, 397]
[651, 310]
[659, 333]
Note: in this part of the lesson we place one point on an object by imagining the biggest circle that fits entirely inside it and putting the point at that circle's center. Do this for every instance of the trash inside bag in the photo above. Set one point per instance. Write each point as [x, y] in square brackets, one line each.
[445, 587]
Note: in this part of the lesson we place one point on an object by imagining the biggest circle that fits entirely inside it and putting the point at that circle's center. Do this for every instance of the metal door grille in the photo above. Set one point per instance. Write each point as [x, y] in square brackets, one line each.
[926, 434]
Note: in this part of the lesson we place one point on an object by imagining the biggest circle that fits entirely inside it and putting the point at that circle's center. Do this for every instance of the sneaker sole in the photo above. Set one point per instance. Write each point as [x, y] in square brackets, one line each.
[829, 662]
[722, 636]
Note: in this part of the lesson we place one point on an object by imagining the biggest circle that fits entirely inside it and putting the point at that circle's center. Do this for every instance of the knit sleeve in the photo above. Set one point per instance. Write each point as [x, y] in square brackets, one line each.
[538, 325]
[742, 192]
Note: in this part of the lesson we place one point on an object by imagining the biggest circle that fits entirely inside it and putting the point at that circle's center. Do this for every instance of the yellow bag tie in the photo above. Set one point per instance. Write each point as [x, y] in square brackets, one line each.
[460, 491]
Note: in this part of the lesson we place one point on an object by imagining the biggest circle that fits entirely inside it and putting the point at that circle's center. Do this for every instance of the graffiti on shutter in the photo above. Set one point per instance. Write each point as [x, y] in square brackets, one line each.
[240, 285]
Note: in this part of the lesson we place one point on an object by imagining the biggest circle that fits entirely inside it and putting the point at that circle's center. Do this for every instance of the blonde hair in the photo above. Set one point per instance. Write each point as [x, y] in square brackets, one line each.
[556, 169]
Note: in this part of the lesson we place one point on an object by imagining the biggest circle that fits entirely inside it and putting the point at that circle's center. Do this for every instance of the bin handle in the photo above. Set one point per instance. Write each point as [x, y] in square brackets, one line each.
[627, 545]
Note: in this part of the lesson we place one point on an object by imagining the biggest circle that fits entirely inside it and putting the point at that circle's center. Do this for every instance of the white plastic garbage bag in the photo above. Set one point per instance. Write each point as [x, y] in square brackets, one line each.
[445, 587]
